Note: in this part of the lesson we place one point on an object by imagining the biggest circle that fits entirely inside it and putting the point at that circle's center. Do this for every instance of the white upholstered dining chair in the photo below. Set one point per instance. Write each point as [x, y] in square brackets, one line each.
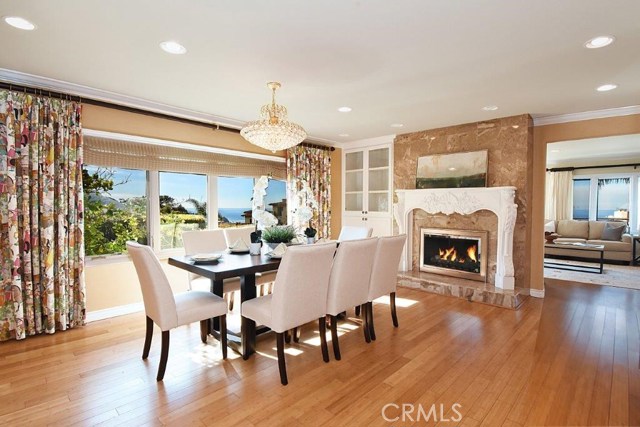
[349, 282]
[299, 296]
[169, 311]
[384, 276]
[208, 241]
[351, 232]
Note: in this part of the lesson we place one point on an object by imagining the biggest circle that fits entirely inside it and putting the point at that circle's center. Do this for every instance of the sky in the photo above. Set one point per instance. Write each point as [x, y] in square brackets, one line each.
[232, 192]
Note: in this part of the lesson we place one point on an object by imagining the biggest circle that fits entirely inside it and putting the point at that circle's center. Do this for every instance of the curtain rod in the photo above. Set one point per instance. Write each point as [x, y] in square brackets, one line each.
[98, 103]
[320, 147]
[571, 168]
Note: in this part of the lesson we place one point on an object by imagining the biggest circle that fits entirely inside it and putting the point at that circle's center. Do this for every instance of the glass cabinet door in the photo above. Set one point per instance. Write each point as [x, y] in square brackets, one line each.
[378, 182]
[354, 183]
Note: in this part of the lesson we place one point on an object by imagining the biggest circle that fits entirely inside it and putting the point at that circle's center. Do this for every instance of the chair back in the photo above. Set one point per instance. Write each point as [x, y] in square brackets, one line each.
[232, 234]
[204, 241]
[350, 274]
[351, 232]
[384, 275]
[300, 289]
[159, 303]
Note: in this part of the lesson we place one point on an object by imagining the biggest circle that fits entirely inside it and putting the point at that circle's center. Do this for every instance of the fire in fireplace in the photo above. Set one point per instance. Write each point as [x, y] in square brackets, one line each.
[458, 253]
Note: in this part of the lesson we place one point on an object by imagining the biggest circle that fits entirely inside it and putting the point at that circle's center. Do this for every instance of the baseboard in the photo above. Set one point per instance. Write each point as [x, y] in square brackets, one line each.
[536, 293]
[120, 310]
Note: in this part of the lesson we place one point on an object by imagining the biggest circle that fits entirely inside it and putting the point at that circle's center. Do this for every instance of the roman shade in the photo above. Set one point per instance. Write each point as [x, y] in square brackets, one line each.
[114, 152]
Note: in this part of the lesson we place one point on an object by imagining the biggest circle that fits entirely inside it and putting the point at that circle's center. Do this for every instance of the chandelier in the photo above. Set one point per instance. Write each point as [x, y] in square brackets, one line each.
[273, 131]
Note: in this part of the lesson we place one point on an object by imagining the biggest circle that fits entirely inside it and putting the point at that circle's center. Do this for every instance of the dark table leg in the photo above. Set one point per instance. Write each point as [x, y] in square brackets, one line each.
[216, 288]
[248, 326]
[601, 261]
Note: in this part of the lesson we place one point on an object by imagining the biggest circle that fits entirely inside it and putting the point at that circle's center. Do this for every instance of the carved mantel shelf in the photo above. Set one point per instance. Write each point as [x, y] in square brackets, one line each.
[465, 201]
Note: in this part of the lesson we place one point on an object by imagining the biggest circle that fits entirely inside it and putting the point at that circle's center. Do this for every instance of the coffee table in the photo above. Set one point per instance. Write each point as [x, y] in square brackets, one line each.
[577, 247]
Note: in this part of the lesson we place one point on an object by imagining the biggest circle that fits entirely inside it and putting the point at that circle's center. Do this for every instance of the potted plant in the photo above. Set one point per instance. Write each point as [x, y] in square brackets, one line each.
[310, 232]
[277, 234]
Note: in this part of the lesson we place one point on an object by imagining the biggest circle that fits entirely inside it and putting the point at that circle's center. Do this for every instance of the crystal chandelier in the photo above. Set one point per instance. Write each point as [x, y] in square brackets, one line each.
[273, 131]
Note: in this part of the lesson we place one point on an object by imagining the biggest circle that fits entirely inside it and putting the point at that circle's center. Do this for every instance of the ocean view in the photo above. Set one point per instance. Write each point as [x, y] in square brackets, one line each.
[233, 214]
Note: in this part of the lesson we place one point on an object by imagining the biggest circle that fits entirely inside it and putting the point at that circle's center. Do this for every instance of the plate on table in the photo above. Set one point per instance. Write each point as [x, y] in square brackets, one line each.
[205, 258]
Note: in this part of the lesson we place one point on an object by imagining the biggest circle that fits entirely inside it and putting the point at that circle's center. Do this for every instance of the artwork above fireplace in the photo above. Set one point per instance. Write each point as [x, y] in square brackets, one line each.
[457, 253]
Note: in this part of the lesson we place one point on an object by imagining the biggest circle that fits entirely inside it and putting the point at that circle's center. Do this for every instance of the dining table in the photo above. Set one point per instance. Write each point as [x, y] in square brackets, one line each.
[231, 265]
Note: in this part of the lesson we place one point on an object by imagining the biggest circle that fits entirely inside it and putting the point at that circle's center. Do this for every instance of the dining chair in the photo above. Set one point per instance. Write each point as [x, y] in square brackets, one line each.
[169, 311]
[299, 296]
[349, 283]
[264, 281]
[351, 232]
[207, 241]
[384, 277]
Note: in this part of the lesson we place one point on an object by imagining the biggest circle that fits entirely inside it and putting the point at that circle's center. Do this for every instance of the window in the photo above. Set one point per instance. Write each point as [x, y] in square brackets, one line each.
[613, 198]
[183, 206]
[581, 190]
[235, 200]
[115, 202]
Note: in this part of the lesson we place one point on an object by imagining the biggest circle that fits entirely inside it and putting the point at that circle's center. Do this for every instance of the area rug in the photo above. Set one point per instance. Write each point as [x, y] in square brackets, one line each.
[621, 276]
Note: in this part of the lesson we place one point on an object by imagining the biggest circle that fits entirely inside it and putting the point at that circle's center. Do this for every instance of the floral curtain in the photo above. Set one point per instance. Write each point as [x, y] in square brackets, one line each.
[41, 208]
[312, 167]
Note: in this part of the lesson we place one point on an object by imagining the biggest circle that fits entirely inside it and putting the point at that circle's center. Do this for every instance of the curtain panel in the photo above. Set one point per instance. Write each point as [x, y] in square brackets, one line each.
[41, 215]
[312, 165]
[559, 195]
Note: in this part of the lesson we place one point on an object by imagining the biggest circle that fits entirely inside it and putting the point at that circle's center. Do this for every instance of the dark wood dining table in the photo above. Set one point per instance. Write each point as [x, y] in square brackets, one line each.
[231, 265]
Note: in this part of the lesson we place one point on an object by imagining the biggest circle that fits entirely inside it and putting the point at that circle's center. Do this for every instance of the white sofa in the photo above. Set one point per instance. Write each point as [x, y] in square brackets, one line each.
[590, 232]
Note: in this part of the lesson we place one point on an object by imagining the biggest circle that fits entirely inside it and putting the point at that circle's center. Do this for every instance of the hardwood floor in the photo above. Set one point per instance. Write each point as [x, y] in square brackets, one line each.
[572, 359]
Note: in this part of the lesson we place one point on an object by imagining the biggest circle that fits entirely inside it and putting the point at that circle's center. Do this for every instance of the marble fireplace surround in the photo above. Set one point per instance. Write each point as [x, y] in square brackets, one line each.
[465, 201]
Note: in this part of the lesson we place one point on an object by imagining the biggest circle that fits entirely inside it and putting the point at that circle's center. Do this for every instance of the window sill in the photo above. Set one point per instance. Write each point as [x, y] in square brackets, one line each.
[95, 260]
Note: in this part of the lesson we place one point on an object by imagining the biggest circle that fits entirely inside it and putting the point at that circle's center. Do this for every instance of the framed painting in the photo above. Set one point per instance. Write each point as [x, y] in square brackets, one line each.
[453, 170]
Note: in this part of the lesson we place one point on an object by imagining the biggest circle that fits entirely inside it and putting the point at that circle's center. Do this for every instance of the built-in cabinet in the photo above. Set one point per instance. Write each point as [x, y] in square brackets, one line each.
[367, 188]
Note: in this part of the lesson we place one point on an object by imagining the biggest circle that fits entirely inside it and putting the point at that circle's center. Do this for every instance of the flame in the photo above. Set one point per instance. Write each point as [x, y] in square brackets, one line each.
[471, 251]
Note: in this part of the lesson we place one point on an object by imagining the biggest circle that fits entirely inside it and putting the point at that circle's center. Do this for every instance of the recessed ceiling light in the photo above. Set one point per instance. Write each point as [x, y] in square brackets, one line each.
[344, 135]
[397, 125]
[344, 109]
[490, 108]
[172, 47]
[600, 41]
[515, 126]
[20, 23]
[607, 87]
[452, 169]
[432, 138]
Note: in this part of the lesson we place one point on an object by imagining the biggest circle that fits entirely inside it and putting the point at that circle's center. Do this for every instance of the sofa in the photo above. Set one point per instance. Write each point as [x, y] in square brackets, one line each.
[590, 232]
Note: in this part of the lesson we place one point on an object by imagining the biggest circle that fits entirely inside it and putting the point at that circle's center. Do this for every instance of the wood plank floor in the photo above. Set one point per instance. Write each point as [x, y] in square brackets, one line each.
[571, 359]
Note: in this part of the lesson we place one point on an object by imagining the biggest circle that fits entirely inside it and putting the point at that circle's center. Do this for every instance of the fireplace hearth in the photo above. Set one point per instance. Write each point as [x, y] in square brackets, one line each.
[457, 253]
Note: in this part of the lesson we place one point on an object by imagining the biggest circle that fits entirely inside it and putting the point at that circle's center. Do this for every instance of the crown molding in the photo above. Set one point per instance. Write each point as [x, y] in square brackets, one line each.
[369, 142]
[586, 115]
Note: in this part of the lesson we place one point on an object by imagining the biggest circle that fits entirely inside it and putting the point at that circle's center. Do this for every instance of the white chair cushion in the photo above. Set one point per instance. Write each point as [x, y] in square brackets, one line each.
[258, 309]
[384, 276]
[195, 306]
[350, 232]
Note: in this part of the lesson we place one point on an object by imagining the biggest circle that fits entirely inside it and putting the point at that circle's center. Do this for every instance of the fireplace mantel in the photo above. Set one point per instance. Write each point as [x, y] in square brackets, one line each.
[465, 201]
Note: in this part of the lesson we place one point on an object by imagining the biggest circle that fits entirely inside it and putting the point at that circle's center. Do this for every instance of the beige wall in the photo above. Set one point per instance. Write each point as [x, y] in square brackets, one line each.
[543, 135]
[115, 284]
[509, 142]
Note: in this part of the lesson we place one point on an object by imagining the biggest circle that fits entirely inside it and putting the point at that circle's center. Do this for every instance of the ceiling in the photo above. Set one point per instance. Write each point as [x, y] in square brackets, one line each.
[622, 149]
[423, 64]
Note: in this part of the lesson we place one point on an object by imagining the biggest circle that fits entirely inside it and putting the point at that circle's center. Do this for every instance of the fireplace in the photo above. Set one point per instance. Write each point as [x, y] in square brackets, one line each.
[457, 253]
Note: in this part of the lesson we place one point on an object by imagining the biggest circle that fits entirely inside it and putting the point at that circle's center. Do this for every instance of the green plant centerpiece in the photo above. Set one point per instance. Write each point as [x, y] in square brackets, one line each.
[277, 234]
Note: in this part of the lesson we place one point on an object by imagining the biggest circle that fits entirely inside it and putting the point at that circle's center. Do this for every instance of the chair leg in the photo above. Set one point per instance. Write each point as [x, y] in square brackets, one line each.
[334, 337]
[147, 339]
[164, 355]
[282, 366]
[365, 323]
[296, 334]
[358, 311]
[287, 336]
[322, 325]
[204, 330]
[223, 335]
[372, 330]
[394, 314]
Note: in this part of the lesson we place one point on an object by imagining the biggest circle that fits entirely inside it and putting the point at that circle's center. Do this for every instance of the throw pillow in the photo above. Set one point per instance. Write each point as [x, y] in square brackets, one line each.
[613, 232]
[550, 227]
